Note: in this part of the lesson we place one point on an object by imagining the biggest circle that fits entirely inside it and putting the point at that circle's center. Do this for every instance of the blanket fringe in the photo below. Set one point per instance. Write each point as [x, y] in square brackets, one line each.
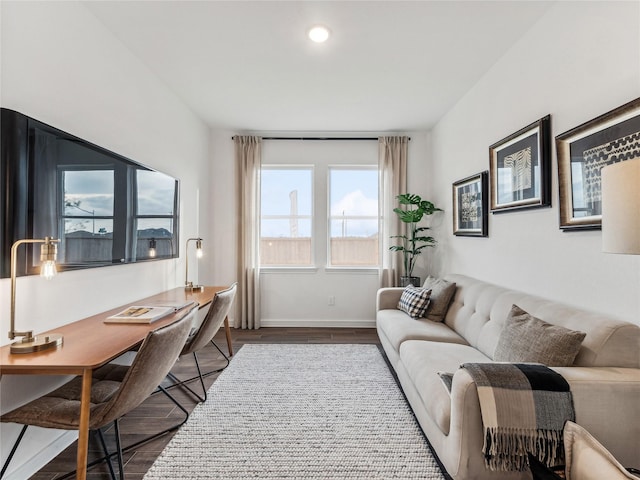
[506, 448]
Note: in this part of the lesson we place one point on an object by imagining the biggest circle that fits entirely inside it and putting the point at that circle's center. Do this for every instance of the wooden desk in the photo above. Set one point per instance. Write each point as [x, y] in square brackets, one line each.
[91, 343]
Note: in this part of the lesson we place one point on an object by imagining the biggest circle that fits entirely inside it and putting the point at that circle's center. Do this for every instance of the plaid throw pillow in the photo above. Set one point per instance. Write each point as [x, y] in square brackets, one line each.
[414, 301]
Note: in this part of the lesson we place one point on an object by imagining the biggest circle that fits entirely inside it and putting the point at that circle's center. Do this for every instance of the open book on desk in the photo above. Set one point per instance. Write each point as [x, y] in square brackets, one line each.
[146, 313]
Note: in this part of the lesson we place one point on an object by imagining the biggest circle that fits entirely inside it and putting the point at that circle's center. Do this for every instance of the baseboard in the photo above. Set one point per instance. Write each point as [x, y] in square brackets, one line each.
[44, 456]
[272, 322]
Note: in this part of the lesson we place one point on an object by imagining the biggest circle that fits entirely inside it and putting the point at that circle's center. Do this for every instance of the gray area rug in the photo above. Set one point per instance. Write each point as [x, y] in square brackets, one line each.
[300, 411]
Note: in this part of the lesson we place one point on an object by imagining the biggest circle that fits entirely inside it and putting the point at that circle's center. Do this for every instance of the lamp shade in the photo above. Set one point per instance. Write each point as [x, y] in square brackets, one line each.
[621, 207]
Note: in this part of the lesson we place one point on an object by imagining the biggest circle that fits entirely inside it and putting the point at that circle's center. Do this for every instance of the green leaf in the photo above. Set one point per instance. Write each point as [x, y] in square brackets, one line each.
[414, 242]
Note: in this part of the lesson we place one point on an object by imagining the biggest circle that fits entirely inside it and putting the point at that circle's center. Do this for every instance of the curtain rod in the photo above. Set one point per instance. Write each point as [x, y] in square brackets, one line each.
[320, 138]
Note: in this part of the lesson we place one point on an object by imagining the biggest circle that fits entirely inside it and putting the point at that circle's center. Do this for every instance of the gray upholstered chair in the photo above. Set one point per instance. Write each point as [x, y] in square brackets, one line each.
[203, 335]
[112, 393]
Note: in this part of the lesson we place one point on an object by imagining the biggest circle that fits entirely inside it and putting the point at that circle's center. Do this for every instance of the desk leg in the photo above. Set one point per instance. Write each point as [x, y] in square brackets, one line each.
[227, 330]
[83, 430]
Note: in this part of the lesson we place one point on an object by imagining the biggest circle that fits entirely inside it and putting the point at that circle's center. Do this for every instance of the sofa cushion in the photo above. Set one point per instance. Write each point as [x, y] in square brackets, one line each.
[441, 294]
[414, 301]
[398, 327]
[587, 459]
[526, 338]
[423, 360]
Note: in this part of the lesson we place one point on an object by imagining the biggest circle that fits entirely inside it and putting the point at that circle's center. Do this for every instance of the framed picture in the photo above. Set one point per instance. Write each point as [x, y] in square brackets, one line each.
[583, 151]
[520, 168]
[470, 206]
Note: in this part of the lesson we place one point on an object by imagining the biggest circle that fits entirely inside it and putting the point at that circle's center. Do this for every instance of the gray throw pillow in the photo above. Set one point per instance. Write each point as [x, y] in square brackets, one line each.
[441, 294]
[526, 338]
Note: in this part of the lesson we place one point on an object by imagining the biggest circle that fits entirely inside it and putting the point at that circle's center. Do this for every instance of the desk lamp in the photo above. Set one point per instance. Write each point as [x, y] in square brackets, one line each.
[152, 248]
[187, 284]
[30, 343]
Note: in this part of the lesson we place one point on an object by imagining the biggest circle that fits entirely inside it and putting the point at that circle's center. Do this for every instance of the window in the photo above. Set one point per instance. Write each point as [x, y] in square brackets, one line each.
[286, 216]
[87, 219]
[155, 219]
[319, 215]
[353, 216]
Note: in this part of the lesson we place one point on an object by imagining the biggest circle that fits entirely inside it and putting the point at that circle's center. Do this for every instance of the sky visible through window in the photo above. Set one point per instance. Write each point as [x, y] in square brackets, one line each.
[90, 193]
[354, 192]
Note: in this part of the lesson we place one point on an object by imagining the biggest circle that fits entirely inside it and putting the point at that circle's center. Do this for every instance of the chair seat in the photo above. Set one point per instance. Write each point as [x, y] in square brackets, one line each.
[59, 408]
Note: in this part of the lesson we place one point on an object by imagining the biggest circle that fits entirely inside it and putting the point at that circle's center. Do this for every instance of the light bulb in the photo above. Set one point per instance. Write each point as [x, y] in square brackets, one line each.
[318, 33]
[152, 248]
[48, 269]
[48, 254]
[152, 252]
[199, 252]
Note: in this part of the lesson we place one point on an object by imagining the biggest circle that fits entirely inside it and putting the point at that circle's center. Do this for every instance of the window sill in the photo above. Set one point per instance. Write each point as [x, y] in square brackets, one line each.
[358, 270]
[270, 270]
[329, 270]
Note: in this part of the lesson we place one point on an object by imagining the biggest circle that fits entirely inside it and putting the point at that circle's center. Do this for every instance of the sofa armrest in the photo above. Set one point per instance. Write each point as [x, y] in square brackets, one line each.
[388, 298]
[605, 401]
[607, 405]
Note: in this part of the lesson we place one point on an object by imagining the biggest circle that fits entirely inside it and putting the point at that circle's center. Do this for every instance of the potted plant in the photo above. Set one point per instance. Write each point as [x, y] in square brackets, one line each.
[414, 242]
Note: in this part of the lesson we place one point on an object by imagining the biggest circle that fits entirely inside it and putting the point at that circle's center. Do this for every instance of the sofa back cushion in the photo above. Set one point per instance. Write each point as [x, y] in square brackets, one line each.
[479, 310]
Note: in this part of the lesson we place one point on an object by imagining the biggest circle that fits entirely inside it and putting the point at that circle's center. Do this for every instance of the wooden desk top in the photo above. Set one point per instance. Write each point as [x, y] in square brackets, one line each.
[90, 343]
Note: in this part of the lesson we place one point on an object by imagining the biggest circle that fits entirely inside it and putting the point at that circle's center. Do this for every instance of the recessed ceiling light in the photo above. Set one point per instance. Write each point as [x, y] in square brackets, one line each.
[318, 33]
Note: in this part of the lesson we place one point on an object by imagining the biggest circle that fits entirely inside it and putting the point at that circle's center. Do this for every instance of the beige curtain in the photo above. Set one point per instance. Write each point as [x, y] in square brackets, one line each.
[248, 157]
[392, 163]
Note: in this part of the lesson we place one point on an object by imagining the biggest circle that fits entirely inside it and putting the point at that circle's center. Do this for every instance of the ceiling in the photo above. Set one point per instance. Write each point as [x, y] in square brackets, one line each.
[388, 65]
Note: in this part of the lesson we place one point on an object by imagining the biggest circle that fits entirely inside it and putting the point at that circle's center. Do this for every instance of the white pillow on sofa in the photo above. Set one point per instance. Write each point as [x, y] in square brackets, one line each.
[587, 459]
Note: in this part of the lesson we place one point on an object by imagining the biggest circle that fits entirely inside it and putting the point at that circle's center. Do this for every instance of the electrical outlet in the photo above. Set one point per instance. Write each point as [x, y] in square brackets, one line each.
[332, 300]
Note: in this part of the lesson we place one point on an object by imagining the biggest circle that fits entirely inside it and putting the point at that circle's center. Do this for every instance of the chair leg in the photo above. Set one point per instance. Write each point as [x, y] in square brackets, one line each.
[166, 430]
[221, 353]
[116, 428]
[200, 376]
[13, 451]
[183, 384]
[106, 455]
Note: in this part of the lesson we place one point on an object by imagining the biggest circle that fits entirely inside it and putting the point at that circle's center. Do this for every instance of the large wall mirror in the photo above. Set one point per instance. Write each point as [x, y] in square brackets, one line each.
[105, 209]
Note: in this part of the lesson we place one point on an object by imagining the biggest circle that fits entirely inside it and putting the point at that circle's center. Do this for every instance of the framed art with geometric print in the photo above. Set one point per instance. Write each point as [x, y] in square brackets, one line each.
[470, 204]
[582, 152]
[520, 168]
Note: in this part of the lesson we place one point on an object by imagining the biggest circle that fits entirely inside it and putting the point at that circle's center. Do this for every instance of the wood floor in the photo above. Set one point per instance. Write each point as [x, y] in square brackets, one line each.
[158, 412]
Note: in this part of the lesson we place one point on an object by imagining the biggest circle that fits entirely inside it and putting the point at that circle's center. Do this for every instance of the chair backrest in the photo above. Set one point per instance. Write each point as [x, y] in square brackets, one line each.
[218, 310]
[155, 357]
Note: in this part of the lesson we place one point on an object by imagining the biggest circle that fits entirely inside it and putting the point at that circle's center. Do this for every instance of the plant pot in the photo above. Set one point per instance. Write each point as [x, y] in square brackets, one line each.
[404, 281]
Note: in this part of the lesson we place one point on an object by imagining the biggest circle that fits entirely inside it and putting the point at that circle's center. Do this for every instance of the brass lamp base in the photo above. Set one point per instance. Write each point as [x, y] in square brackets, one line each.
[194, 288]
[37, 343]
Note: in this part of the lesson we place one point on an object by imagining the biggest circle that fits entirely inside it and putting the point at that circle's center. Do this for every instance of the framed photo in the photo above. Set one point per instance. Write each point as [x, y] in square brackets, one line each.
[520, 168]
[583, 151]
[470, 206]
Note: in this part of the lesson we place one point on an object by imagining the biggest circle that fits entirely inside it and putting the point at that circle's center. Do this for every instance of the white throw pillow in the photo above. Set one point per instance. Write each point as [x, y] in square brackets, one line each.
[587, 459]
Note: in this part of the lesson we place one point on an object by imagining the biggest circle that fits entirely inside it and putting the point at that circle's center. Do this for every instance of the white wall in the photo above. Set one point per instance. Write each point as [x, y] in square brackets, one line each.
[281, 293]
[580, 60]
[61, 66]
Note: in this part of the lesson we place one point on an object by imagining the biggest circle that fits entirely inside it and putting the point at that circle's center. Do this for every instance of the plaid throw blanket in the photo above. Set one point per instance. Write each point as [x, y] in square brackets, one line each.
[524, 408]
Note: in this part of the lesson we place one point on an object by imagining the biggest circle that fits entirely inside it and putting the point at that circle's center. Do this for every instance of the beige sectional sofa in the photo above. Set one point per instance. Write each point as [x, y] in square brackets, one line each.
[604, 379]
